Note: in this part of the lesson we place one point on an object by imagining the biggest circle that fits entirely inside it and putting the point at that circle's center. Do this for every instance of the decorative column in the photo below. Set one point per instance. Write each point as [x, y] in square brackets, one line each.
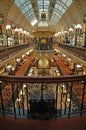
[20, 36]
[71, 35]
[27, 37]
[16, 39]
[1, 30]
[78, 34]
[66, 36]
[59, 37]
[24, 36]
[13, 26]
[62, 36]
[8, 34]
[1, 36]
[84, 30]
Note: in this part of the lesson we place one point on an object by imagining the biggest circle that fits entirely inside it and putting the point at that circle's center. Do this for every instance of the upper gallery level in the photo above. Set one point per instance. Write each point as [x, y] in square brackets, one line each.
[22, 18]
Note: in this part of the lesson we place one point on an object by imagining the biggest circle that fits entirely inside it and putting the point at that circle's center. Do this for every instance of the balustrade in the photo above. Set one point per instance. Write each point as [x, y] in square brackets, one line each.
[6, 52]
[78, 51]
[43, 97]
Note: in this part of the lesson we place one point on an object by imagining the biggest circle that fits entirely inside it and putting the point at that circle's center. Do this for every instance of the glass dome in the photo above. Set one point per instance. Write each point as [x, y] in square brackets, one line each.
[43, 28]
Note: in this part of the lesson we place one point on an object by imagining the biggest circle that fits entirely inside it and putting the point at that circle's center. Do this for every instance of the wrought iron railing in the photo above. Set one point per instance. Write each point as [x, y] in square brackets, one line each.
[42, 97]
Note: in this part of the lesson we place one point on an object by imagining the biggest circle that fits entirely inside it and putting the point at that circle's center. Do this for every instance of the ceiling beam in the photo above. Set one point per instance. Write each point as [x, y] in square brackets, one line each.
[51, 6]
[35, 8]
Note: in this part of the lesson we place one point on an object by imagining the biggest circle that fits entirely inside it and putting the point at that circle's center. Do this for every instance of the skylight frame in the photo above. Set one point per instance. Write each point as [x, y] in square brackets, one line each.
[61, 6]
[25, 6]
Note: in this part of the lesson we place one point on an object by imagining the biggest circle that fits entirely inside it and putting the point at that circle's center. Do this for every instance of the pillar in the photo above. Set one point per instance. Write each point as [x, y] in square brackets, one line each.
[84, 30]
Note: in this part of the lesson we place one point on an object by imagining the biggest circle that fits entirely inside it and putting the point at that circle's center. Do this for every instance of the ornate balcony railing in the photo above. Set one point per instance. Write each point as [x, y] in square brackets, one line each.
[8, 51]
[78, 51]
[42, 97]
[44, 51]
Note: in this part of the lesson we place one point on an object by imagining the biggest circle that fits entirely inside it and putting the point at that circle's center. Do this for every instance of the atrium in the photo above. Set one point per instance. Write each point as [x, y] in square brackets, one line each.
[43, 64]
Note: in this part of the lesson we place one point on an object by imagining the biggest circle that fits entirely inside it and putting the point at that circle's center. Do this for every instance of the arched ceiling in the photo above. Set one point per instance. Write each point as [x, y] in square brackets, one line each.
[59, 13]
[54, 9]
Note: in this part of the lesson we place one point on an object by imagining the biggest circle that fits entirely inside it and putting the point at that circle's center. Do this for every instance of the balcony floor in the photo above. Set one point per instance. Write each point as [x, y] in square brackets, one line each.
[73, 123]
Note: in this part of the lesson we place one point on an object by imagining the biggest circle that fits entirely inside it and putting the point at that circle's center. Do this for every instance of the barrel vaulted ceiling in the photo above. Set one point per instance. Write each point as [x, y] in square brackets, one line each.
[26, 13]
[54, 9]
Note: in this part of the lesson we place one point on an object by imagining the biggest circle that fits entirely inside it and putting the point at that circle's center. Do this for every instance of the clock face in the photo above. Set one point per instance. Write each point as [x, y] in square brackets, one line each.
[43, 63]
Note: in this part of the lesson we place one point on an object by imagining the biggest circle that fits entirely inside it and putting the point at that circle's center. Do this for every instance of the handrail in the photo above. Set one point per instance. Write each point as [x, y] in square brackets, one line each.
[43, 51]
[22, 79]
[78, 51]
[8, 51]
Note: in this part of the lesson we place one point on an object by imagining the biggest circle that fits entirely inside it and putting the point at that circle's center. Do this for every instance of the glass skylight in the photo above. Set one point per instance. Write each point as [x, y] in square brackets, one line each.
[43, 6]
[25, 7]
[53, 13]
[60, 8]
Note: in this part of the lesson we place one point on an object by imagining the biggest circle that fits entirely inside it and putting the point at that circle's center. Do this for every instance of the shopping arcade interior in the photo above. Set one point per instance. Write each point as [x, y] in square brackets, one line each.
[59, 39]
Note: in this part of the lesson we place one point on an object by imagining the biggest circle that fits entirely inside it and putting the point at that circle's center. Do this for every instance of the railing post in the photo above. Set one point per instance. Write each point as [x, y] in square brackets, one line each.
[83, 93]
[61, 103]
[56, 101]
[42, 92]
[41, 102]
[2, 105]
[70, 99]
[17, 92]
[13, 85]
[23, 100]
[28, 111]
[65, 104]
